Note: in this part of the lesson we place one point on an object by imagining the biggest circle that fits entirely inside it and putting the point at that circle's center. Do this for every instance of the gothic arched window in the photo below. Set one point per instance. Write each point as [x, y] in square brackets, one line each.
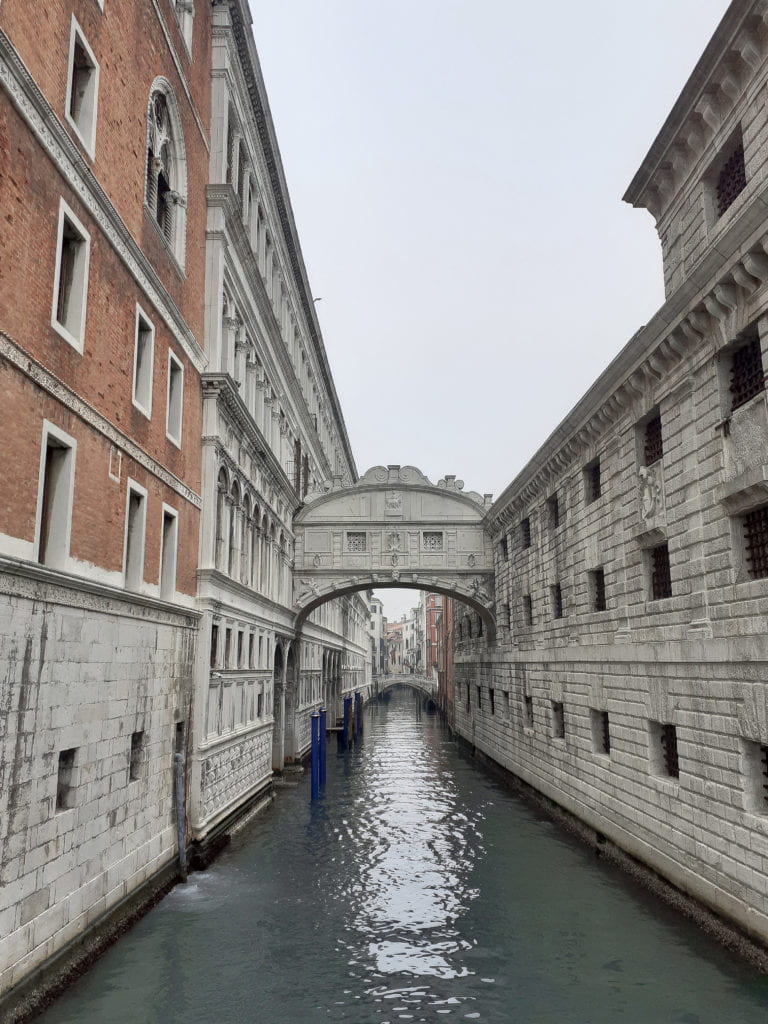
[166, 178]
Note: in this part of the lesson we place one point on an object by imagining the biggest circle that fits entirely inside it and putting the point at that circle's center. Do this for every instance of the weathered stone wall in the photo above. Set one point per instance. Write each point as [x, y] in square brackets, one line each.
[83, 671]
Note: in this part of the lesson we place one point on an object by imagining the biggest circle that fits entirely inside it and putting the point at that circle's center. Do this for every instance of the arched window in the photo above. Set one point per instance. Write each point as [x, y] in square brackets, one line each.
[166, 173]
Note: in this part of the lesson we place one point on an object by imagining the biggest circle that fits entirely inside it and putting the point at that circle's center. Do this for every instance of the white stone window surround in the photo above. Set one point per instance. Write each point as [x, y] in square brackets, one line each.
[58, 557]
[185, 15]
[129, 575]
[83, 125]
[143, 375]
[74, 331]
[171, 137]
[169, 549]
[174, 409]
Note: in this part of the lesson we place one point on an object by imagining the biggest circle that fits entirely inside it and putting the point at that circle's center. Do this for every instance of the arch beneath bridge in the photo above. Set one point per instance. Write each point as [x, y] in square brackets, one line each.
[394, 528]
[423, 686]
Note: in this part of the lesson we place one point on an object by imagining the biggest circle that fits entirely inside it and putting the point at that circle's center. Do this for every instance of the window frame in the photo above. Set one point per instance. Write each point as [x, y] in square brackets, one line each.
[77, 341]
[88, 141]
[165, 594]
[67, 441]
[144, 408]
[132, 487]
[173, 438]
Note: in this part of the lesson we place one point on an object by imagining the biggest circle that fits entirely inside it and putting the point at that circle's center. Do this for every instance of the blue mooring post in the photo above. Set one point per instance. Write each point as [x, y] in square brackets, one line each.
[347, 709]
[322, 746]
[358, 715]
[314, 756]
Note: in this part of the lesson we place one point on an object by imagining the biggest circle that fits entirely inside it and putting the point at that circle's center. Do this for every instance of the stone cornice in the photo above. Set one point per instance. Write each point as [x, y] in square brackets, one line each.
[59, 147]
[246, 49]
[57, 389]
[704, 313]
[221, 387]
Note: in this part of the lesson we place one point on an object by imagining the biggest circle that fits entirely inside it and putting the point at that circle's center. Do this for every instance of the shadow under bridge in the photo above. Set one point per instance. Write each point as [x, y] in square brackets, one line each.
[394, 528]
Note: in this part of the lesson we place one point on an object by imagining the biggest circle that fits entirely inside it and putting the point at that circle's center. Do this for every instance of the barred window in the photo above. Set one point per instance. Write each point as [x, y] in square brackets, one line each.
[597, 590]
[527, 610]
[747, 378]
[433, 541]
[661, 580]
[556, 592]
[525, 532]
[592, 482]
[528, 711]
[669, 749]
[553, 507]
[732, 179]
[653, 447]
[756, 542]
[356, 542]
[504, 548]
[601, 731]
[558, 720]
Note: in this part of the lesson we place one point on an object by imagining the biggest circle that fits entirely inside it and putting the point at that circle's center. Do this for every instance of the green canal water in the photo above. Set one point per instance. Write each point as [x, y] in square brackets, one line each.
[417, 889]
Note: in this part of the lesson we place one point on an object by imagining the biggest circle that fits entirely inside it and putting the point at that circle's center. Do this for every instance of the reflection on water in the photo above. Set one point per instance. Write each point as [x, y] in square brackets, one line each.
[417, 889]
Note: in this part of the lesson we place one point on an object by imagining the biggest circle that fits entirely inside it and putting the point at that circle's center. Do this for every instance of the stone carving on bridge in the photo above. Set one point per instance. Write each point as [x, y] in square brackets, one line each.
[395, 477]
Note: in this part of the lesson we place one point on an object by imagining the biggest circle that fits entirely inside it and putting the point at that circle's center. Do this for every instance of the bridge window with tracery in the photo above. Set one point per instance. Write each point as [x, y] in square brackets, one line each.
[357, 542]
[433, 541]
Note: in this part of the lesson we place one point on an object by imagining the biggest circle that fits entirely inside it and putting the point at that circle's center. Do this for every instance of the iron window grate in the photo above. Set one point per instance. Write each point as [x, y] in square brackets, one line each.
[554, 511]
[528, 609]
[599, 591]
[525, 531]
[669, 748]
[557, 601]
[528, 710]
[605, 732]
[732, 180]
[593, 481]
[661, 580]
[356, 542]
[764, 766]
[756, 540]
[433, 541]
[747, 378]
[654, 448]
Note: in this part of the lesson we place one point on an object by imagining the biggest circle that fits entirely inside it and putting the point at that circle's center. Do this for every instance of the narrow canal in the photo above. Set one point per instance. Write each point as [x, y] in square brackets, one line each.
[418, 889]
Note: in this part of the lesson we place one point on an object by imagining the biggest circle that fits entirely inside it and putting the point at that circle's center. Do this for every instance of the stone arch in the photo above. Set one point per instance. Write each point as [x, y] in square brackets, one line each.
[278, 707]
[221, 530]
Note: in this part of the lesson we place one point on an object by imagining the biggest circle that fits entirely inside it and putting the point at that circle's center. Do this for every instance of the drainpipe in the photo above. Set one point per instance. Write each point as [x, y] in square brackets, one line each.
[178, 781]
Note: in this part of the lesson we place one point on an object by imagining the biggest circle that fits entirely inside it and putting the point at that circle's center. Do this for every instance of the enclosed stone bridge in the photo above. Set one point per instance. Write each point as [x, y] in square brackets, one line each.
[394, 528]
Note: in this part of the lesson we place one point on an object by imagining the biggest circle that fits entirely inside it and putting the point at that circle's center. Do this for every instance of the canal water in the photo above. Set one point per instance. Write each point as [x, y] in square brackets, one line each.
[418, 889]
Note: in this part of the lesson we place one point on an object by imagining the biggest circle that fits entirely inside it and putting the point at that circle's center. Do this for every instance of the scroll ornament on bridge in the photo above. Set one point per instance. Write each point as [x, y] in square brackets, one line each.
[309, 590]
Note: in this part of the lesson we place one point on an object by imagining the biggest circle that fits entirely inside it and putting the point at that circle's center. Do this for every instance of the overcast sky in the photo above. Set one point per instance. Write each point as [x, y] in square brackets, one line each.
[456, 171]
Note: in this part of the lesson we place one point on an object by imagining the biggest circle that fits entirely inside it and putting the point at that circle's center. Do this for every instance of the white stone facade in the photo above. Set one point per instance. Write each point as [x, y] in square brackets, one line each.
[629, 681]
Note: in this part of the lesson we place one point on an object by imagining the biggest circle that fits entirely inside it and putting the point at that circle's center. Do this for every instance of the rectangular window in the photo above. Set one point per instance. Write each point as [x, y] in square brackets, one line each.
[525, 532]
[175, 400]
[556, 594]
[137, 756]
[755, 525]
[168, 547]
[82, 89]
[528, 609]
[664, 761]
[558, 720]
[214, 644]
[433, 541]
[178, 738]
[755, 776]
[592, 482]
[240, 636]
[661, 580]
[653, 445]
[492, 697]
[70, 283]
[527, 711]
[250, 652]
[601, 733]
[732, 179]
[504, 549]
[746, 372]
[260, 705]
[479, 698]
[553, 511]
[135, 532]
[65, 784]
[227, 647]
[55, 488]
[143, 361]
[597, 590]
[468, 699]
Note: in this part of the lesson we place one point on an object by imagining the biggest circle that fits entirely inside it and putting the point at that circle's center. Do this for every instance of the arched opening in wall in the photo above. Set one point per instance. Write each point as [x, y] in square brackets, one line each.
[278, 710]
[221, 529]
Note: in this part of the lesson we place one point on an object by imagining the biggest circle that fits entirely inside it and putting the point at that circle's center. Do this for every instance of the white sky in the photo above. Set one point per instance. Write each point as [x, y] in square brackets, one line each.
[456, 171]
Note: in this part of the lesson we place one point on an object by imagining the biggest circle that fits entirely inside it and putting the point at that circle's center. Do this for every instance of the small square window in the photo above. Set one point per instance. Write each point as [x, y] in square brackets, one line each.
[597, 590]
[601, 733]
[661, 580]
[556, 596]
[433, 541]
[82, 89]
[357, 542]
[70, 288]
[755, 526]
[525, 532]
[175, 399]
[746, 372]
[558, 720]
[592, 481]
[143, 362]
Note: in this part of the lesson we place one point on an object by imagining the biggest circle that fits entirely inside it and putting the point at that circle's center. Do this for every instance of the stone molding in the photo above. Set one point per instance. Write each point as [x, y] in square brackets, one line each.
[44, 125]
[57, 389]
